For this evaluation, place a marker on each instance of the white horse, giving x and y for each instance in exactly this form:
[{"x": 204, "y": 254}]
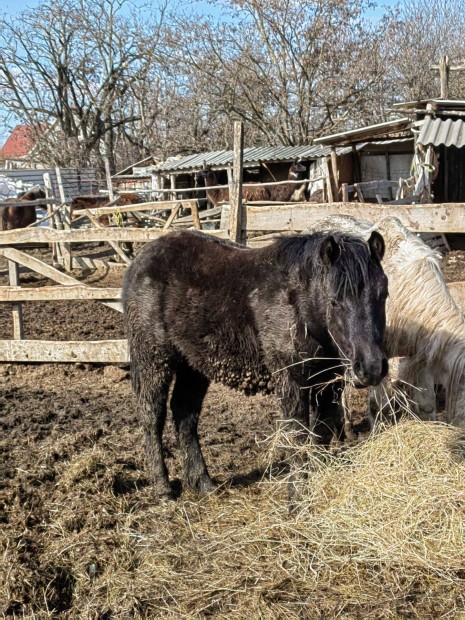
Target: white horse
[{"x": 425, "y": 327}]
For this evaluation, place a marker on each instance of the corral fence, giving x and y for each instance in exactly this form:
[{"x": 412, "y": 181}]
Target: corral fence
[{"x": 254, "y": 224}]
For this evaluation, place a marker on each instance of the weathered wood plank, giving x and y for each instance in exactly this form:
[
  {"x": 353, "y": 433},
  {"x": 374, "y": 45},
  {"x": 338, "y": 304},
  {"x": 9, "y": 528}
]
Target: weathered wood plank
[
  {"x": 40, "y": 202},
  {"x": 66, "y": 219},
  {"x": 440, "y": 218},
  {"x": 114, "y": 245},
  {"x": 46, "y": 270},
  {"x": 87, "y": 262},
  {"x": 77, "y": 292},
  {"x": 103, "y": 351},
  {"x": 173, "y": 214},
  {"x": 17, "y": 310},
  {"x": 143, "y": 206},
  {"x": 89, "y": 235},
  {"x": 235, "y": 193}
]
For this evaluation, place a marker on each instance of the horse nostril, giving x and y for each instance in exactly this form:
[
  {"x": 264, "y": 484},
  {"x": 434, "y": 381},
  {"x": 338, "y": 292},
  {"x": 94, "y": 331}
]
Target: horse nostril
[
  {"x": 357, "y": 367},
  {"x": 384, "y": 367}
]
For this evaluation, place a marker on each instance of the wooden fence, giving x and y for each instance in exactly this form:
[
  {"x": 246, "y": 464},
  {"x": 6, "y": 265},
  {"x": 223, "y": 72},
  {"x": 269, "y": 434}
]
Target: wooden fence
[{"x": 269, "y": 219}]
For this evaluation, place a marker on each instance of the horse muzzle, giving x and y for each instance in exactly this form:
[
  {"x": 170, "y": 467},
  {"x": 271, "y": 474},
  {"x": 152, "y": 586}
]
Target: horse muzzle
[{"x": 369, "y": 373}]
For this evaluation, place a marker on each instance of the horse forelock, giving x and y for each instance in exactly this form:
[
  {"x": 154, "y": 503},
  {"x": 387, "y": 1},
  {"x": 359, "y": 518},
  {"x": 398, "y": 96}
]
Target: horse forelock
[{"x": 351, "y": 271}]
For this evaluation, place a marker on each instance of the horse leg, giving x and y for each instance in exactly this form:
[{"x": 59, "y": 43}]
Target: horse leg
[
  {"x": 295, "y": 404},
  {"x": 186, "y": 403},
  {"x": 327, "y": 415},
  {"x": 151, "y": 385}
]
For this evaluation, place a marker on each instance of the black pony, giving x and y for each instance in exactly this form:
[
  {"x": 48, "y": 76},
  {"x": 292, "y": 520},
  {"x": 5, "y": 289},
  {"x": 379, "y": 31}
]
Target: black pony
[{"x": 279, "y": 318}]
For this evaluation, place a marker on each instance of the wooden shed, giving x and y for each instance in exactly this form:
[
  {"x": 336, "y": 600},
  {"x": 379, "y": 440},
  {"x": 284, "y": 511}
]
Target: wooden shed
[{"x": 419, "y": 157}]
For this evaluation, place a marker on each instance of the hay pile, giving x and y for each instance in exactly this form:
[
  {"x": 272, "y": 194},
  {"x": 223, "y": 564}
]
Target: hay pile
[{"x": 379, "y": 533}]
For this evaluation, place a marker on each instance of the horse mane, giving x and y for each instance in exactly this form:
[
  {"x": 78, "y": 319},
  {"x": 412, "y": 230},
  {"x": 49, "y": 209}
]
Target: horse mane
[
  {"x": 348, "y": 273},
  {"x": 430, "y": 322}
]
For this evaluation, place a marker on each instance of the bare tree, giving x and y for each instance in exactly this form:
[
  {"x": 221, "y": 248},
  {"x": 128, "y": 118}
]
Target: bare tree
[
  {"x": 421, "y": 31},
  {"x": 290, "y": 68},
  {"x": 67, "y": 68}
]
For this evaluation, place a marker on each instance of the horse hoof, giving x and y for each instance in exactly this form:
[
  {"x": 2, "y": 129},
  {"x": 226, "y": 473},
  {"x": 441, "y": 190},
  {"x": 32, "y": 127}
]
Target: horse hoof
[
  {"x": 206, "y": 486},
  {"x": 164, "y": 496}
]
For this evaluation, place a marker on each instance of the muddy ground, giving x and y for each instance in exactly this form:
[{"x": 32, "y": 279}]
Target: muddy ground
[{"x": 50, "y": 413}]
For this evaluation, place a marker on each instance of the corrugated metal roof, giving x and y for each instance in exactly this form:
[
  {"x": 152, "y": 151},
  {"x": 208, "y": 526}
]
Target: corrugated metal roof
[
  {"x": 252, "y": 157},
  {"x": 437, "y": 131},
  {"x": 372, "y": 131}
]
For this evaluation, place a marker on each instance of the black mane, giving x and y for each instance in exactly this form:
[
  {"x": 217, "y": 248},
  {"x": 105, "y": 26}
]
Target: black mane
[{"x": 349, "y": 272}]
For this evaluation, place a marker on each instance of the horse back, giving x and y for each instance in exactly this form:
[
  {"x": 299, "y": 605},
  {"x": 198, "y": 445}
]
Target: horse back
[{"x": 210, "y": 301}]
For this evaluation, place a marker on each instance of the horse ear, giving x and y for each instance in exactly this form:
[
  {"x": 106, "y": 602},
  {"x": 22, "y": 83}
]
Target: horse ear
[
  {"x": 329, "y": 250},
  {"x": 376, "y": 243}
]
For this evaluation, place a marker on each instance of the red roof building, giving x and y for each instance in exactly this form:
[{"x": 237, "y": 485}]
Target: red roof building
[{"x": 18, "y": 144}]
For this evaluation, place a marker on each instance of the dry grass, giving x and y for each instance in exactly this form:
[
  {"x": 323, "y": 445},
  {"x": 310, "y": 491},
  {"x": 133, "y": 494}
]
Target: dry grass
[{"x": 379, "y": 533}]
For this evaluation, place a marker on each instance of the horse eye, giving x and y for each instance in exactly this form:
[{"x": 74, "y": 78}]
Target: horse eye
[{"x": 334, "y": 303}]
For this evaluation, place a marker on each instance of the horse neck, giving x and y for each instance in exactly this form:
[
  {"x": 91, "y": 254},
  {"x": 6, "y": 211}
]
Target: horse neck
[
  {"x": 293, "y": 176},
  {"x": 215, "y": 195},
  {"x": 421, "y": 314}
]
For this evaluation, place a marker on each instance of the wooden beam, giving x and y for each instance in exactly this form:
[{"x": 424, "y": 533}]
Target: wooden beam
[
  {"x": 66, "y": 218},
  {"x": 87, "y": 262},
  {"x": 56, "y": 253},
  {"x": 103, "y": 351},
  {"x": 113, "y": 244},
  {"x": 195, "y": 215},
  {"x": 173, "y": 214},
  {"x": 46, "y": 270},
  {"x": 335, "y": 175},
  {"x": 444, "y": 76},
  {"x": 143, "y": 206},
  {"x": 18, "y": 329},
  {"x": 40, "y": 202},
  {"x": 329, "y": 185},
  {"x": 440, "y": 218},
  {"x": 77, "y": 292},
  {"x": 235, "y": 223},
  {"x": 90, "y": 235}
]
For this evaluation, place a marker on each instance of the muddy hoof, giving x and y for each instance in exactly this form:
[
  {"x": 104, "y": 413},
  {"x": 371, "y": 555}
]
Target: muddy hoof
[
  {"x": 362, "y": 425},
  {"x": 205, "y": 486},
  {"x": 164, "y": 496}
]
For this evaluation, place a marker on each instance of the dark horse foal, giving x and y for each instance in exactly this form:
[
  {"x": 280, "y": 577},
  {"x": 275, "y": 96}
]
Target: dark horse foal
[{"x": 277, "y": 318}]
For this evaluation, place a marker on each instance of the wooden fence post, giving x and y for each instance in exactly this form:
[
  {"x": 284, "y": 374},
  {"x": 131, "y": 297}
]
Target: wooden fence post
[
  {"x": 54, "y": 219},
  {"x": 66, "y": 249},
  {"x": 335, "y": 170},
  {"x": 18, "y": 332},
  {"x": 235, "y": 226},
  {"x": 444, "y": 68},
  {"x": 329, "y": 186}
]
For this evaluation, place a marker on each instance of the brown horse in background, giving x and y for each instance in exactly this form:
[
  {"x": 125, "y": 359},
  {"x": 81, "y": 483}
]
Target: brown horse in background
[
  {"x": 20, "y": 217},
  {"x": 80, "y": 203}
]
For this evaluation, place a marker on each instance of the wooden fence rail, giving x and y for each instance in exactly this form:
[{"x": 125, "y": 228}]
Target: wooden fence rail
[{"x": 270, "y": 219}]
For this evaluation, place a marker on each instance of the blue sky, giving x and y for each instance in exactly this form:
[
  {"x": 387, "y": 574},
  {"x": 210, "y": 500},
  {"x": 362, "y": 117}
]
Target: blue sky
[{"x": 16, "y": 6}]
